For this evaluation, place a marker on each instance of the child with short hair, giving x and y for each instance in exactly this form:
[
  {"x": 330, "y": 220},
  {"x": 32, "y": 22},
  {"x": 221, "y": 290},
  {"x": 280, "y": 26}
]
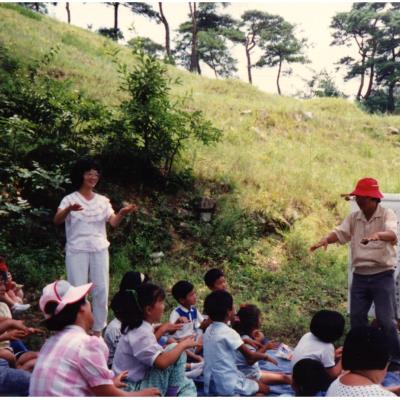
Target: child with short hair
[
  {"x": 186, "y": 313},
  {"x": 72, "y": 363},
  {"x": 215, "y": 279},
  {"x": 221, "y": 375},
  {"x": 326, "y": 327},
  {"x": 365, "y": 357},
  {"x": 138, "y": 351},
  {"x": 310, "y": 378},
  {"x": 248, "y": 327}
]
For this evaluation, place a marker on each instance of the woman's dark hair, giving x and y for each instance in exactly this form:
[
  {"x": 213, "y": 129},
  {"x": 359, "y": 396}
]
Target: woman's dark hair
[
  {"x": 217, "y": 304},
  {"x": 67, "y": 316},
  {"x": 129, "y": 305},
  {"x": 81, "y": 166},
  {"x": 131, "y": 280},
  {"x": 309, "y": 377},
  {"x": 181, "y": 289},
  {"x": 365, "y": 348},
  {"x": 211, "y": 276},
  {"x": 327, "y": 325},
  {"x": 249, "y": 319}
]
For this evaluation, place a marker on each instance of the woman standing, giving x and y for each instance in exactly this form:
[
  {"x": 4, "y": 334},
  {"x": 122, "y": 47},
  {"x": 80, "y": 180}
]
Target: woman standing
[{"x": 85, "y": 214}]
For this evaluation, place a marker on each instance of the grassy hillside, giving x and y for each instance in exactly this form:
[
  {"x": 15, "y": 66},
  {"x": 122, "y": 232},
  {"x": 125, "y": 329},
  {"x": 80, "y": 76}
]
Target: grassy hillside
[{"x": 280, "y": 167}]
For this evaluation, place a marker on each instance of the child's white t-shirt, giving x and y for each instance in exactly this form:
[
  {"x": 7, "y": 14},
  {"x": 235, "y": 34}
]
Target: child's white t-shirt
[
  {"x": 188, "y": 328},
  {"x": 86, "y": 229},
  {"x": 338, "y": 389},
  {"x": 310, "y": 346}
]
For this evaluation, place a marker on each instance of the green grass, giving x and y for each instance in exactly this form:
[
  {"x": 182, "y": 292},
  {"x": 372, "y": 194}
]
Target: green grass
[{"x": 276, "y": 166}]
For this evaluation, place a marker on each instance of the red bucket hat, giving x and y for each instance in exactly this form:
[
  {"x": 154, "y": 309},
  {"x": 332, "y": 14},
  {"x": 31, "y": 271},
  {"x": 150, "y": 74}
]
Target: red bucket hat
[{"x": 367, "y": 187}]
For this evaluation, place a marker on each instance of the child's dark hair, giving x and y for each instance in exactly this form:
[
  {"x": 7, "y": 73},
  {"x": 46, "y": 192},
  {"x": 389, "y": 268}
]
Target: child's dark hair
[
  {"x": 217, "y": 304},
  {"x": 131, "y": 280},
  {"x": 365, "y": 348},
  {"x": 181, "y": 289},
  {"x": 81, "y": 166},
  {"x": 67, "y": 316},
  {"x": 129, "y": 305},
  {"x": 327, "y": 325},
  {"x": 309, "y": 377},
  {"x": 249, "y": 319},
  {"x": 211, "y": 276},
  {"x": 3, "y": 277}
]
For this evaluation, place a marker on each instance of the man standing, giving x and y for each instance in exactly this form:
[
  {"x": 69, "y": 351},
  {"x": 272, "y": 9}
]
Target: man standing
[{"x": 371, "y": 232}]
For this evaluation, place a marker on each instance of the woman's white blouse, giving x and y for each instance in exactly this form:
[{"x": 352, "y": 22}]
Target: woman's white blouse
[{"x": 86, "y": 229}]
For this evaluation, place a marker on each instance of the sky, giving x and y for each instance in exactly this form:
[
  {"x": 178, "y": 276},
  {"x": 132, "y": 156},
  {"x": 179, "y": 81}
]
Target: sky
[{"x": 312, "y": 20}]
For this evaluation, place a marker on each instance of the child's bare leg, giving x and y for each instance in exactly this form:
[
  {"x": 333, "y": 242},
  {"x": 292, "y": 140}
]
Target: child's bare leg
[
  {"x": 8, "y": 355},
  {"x": 5, "y": 298},
  {"x": 14, "y": 298},
  {"x": 27, "y": 360},
  {"x": 268, "y": 377},
  {"x": 262, "y": 388}
]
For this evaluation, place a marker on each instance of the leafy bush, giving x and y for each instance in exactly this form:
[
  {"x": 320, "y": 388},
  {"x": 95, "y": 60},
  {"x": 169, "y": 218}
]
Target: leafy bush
[{"x": 151, "y": 127}]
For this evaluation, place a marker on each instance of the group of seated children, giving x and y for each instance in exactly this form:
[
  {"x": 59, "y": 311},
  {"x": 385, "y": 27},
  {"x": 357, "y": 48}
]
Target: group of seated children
[{"x": 143, "y": 357}]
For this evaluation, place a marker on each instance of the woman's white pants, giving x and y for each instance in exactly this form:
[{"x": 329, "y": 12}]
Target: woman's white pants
[{"x": 93, "y": 267}]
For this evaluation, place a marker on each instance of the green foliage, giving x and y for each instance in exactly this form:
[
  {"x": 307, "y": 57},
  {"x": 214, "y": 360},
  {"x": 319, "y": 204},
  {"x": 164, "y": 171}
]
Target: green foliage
[
  {"x": 23, "y": 10},
  {"x": 212, "y": 29},
  {"x": 147, "y": 45},
  {"x": 151, "y": 124},
  {"x": 322, "y": 84},
  {"x": 112, "y": 33}
]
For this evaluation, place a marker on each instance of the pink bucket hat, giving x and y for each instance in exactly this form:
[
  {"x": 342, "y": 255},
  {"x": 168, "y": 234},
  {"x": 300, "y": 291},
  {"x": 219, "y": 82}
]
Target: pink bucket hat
[{"x": 62, "y": 293}]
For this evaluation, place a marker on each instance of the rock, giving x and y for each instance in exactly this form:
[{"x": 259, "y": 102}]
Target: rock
[
  {"x": 308, "y": 115},
  {"x": 393, "y": 130},
  {"x": 157, "y": 257}
]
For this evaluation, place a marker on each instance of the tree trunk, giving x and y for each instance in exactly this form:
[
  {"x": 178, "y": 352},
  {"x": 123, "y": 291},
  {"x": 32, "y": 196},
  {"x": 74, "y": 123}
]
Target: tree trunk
[
  {"x": 167, "y": 36},
  {"x": 358, "y": 96},
  {"x": 68, "y": 12},
  {"x": 249, "y": 65},
  {"x": 370, "y": 83},
  {"x": 194, "y": 63},
  {"x": 116, "y": 5},
  {"x": 390, "y": 102},
  {"x": 279, "y": 75},
  {"x": 37, "y": 7},
  {"x": 371, "y": 73}
]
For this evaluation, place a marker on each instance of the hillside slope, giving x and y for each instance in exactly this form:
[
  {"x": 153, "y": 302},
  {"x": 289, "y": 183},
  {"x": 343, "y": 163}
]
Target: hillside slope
[{"x": 285, "y": 162}]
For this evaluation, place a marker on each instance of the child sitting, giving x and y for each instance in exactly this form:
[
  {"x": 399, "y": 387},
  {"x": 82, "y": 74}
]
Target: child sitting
[
  {"x": 326, "y": 327},
  {"x": 13, "y": 382},
  {"x": 310, "y": 378},
  {"x": 138, "y": 351},
  {"x": 72, "y": 363},
  {"x": 13, "y": 295},
  {"x": 248, "y": 327},
  {"x": 220, "y": 343},
  {"x": 215, "y": 279},
  {"x": 186, "y": 313},
  {"x": 112, "y": 334},
  {"x": 20, "y": 358},
  {"x": 365, "y": 358}
]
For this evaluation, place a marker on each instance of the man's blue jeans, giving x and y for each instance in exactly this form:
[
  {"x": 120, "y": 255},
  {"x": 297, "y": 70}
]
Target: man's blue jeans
[
  {"x": 380, "y": 290},
  {"x": 13, "y": 382}
]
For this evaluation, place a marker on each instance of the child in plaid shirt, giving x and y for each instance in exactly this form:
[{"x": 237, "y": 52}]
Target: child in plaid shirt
[{"x": 72, "y": 363}]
